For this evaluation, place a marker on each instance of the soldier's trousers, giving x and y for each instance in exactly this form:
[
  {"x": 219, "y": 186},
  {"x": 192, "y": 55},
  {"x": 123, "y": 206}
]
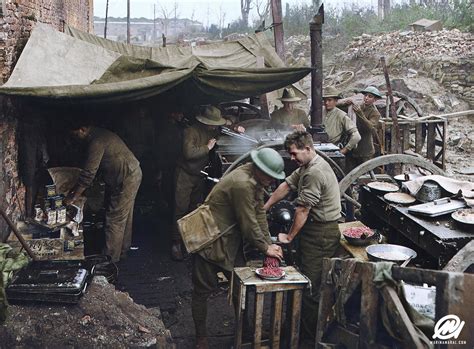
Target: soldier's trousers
[
  {"x": 205, "y": 281},
  {"x": 317, "y": 241},
  {"x": 189, "y": 193},
  {"x": 119, "y": 216},
  {"x": 353, "y": 161}
]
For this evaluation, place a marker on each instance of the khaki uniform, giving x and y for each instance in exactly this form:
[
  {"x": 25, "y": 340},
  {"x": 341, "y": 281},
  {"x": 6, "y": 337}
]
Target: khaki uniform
[
  {"x": 236, "y": 199},
  {"x": 340, "y": 128},
  {"x": 367, "y": 122},
  {"x": 282, "y": 119},
  {"x": 122, "y": 175},
  {"x": 190, "y": 183},
  {"x": 317, "y": 188}
]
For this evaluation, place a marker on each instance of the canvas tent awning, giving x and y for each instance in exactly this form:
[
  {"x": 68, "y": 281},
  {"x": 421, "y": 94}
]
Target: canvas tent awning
[{"x": 82, "y": 68}]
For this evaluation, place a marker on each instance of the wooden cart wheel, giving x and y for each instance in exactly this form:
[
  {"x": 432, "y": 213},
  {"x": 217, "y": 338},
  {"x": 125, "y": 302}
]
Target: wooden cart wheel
[
  {"x": 242, "y": 111},
  {"x": 406, "y": 107},
  {"x": 368, "y": 167}
]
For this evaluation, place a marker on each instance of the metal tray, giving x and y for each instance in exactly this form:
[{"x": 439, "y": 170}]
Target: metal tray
[{"x": 437, "y": 208}]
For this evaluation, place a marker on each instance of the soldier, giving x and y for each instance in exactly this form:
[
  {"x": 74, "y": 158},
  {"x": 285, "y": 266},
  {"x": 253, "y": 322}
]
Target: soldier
[
  {"x": 236, "y": 199},
  {"x": 367, "y": 123},
  {"x": 339, "y": 127},
  {"x": 318, "y": 208},
  {"x": 198, "y": 142},
  {"x": 122, "y": 175},
  {"x": 289, "y": 117}
]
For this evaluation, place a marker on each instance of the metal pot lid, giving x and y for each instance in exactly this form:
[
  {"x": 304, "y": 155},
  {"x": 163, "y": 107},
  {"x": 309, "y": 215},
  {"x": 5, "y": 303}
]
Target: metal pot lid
[
  {"x": 399, "y": 198},
  {"x": 407, "y": 176},
  {"x": 383, "y": 186},
  {"x": 465, "y": 216}
]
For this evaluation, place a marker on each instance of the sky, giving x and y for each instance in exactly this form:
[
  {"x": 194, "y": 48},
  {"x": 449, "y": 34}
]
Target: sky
[{"x": 204, "y": 11}]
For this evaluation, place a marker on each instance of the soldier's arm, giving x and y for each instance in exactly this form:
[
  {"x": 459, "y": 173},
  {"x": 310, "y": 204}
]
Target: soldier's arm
[
  {"x": 282, "y": 191},
  {"x": 246, "y": 207},
  {"x": 369, "y": 121},
  {"x": 191, "y": 147},
  {"x": 353, "y": 134}
]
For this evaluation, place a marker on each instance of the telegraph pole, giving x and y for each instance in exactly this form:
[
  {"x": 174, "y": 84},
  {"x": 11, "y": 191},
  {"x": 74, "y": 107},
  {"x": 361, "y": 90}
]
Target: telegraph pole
[
  {"x": 128, "y": 21},
  {"x": 106, "y": 18},
  {"x": 278, "y": 28}
]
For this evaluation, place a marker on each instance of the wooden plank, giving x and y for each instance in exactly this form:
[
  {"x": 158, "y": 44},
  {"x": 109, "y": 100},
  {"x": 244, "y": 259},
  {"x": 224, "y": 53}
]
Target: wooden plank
[
  {"x": 277, "y": 311},
  {"x": 239, "y": 321},
  {"x": 401, "y": 319},
  {"x": 326, "y": 299},
  {"x": 369, "y": 308},
  {"x": 296, "y": 318},
  {"x": 419, "y": 138},
  {"x": 406, "y": 137},
  {"x": 430, "y": 144},
  {"x": 258, "y": 321},
  {"x": 461, "y": 260}
]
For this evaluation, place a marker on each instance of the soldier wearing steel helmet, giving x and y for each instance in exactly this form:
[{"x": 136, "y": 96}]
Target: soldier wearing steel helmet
[
  {"x": 318, "y": 208},
  {"x": 367, "y": 123},
  {"x": 236, "y": 200}
]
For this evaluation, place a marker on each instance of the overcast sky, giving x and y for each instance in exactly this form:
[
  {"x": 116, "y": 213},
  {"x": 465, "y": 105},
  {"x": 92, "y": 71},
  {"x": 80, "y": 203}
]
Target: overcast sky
[{"x": 204, "y": 10}]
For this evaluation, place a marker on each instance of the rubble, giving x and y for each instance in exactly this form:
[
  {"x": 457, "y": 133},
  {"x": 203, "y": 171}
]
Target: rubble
[
  {"x": 416, "y": 45},
  {"x": 104, "y": 317}
]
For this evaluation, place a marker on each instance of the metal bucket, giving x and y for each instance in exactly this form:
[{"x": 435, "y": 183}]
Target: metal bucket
[{"x": 429, "y": 191}]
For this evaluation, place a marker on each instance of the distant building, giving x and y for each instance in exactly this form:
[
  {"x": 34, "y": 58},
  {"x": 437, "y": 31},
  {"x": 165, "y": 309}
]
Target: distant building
[{"x": 141, "y": 29}]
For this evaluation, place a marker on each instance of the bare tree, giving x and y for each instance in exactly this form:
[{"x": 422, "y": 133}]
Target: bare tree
[
  {"x": 221, "y": 18},
  {"x": 245, "y": 7},
  {"x": 176, "y": 15},
  {"x": 165, "y": 20},
  {"x": 263, "y": 9}
]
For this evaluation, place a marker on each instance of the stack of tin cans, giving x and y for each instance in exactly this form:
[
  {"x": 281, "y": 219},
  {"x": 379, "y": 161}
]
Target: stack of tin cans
[{"x": 52, "y": 211}]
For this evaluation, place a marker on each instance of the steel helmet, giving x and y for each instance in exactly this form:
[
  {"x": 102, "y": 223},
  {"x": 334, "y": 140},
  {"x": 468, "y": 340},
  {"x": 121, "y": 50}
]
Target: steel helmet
[
  {"x": 373, "y": 91},
  {"x": 269, "y": 162}
]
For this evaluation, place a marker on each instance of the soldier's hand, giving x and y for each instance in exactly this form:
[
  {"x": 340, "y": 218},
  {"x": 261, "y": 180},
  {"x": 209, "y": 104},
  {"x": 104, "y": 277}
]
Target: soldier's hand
[
  {"x": 282, "y": 237},
  {"x": 299, "y": 127},
  {"x": 239, "y": 129},
  {"x": 211, "y": 143},
  {"x": 274, "y": 250},
  {"x": 344, "y": 151},
  {"x": 356, "y": 107}
]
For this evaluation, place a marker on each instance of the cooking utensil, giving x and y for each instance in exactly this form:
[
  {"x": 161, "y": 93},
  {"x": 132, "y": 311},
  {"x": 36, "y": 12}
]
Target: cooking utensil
[
  {"x": 381, "y": 188},
  {"x": 399, "y": 198},
  {"x": 262, "y": 275},
  {"x": 429, "y": 191},
  {"x": 404, "y": 264},
  {"x": 389, "y": 253},
  {"x": 364, "y": 240},
  {"x": 464, "y": 219},
  {"x": 437, "y": 208},
  {"x": 405, "y": 177}
]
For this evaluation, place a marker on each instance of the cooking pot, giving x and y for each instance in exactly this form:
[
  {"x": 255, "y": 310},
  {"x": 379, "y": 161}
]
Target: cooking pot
[
  {"x": 464, "y": 219},
  {"x": 429, "y": 191},
  {"x": 389, "y": 253}
]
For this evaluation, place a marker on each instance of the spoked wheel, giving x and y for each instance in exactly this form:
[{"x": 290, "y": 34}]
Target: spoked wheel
[
  {"x": 365, "y": 172},
  {"x": 405, "y": 106},
  {"x": 241, "y": 111}
]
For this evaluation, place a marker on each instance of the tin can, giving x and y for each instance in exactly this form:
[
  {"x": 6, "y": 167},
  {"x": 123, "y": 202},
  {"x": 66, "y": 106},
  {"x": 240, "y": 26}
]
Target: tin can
[
  {"x": 61, "y": 215},
  {"x": 46, "y": 204},
  {"x": 50, "y": 190},
  {"x": 56, "y": 201},
  {"x": 38, "y": 213},
  {"x": 51, "y": 217}
]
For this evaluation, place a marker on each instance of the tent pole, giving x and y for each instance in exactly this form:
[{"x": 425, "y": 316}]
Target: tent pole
[{"x": 128, "y": 21}]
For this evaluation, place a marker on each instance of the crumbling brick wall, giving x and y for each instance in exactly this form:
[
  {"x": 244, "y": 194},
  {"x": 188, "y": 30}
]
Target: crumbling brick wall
[{"x": 17, "y": 19}]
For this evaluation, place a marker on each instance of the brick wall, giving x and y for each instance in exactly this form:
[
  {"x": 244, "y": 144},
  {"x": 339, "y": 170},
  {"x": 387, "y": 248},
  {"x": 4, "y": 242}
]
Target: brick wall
[{"x": 17, "y": 19}]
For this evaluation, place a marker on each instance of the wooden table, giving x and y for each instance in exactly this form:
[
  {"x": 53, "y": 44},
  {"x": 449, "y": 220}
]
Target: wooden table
[
  {"x": 294, "y": 283},
  {"x": 357, "y": 252}
]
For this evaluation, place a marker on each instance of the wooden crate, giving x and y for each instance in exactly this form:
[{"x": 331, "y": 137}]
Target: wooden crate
[{"x": 66, "y": 247}]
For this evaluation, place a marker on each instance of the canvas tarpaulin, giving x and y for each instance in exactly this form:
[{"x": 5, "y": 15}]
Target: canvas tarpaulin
[{"x": 79, "y": 67}]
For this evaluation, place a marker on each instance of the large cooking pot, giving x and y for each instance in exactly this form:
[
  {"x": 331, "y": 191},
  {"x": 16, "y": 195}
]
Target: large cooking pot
[
  {"x": 464, "y": 219},
  {"x": 389, "y": 253}
]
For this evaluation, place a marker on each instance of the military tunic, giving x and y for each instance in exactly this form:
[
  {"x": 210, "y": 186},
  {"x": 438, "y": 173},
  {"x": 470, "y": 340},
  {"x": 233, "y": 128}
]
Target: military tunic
[
  {"x": 236, "y": 199},
  {"x": 282, "y": 118},
  {"x": 367, "y": 122},
  {"x": 121, "y": 172},
  {"x": 340, "y": 128},
  {"x": 189, "y": 182},
  {"x": 317, "y": 188}
]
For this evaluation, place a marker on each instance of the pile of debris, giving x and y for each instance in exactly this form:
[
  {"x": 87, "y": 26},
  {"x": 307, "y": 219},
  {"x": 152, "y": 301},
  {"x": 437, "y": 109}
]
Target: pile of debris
[
  {"x": 416, "y": 45},
  {"x": 298, "y": 50}
]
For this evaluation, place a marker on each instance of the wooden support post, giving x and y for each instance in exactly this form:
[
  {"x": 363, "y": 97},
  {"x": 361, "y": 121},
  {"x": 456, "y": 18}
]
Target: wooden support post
[
  {"x": 369, "y": 308},
  {"x": 257, "y": 336},
  {"x": 419, "y": 140},
  {"x": 295, "y": 318},
  {"x": 395, "y": 136},
  {"x": 263, "y": 98},
  {"x": 431, "y": 141},
  {"x": 406, "y": 137},
  {"x": 277, "y": 310},
  {"x": 239, "y": 318},
  {"x": 277, "y": 15}
]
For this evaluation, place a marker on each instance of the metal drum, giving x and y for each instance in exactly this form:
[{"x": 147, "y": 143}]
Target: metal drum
[{"x": 429, "y": 191}]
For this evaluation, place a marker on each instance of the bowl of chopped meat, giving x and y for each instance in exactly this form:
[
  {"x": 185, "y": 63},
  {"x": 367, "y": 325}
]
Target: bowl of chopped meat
[
  {"x": 358, "y": 236},
  {"x": 271, "y": 269}
]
